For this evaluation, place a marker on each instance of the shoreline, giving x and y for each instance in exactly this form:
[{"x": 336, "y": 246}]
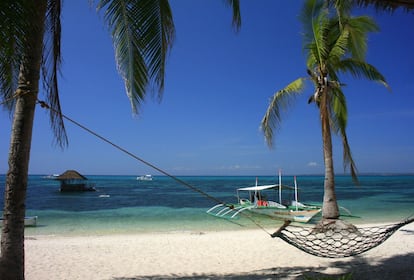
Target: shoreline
[
  {"x": 75, "y": 226},
  {"x": 229, "y": 254}
]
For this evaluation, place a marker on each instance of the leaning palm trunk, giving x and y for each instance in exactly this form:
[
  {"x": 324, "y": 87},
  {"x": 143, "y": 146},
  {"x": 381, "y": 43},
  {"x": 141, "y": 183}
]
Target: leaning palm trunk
[
  {"x": 12, "y": 238},
  {"x": 330, "y": 208}
]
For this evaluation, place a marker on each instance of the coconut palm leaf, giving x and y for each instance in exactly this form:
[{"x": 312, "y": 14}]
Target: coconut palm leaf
[
  {"x": 388, "y": 5},
  {"x": 280, "y": 102},
  {"x": 316, "y": 25},
  {"x": 338, "y": 49},
  {"x": 235, "y": 5},
  {"x": 339, "y": 119},
  {"x": 51, "y": 63},
  {"x": 142, "y": 33},
  {"x": 13, "y": 31},
  {"x": 158, "y": 35},
  {"x": 358, "y": 29},
  {"x": 361, "y": 69}
]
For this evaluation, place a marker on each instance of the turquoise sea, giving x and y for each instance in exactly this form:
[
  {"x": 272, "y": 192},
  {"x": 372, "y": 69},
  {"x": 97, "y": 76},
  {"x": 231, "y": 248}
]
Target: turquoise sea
[{"x": 123, "y": 204}]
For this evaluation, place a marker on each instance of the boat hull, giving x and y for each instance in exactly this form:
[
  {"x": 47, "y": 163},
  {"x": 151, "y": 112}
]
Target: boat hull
[
  {"x": 301, "y": 216},
  {"x": 145, "y": 178}
]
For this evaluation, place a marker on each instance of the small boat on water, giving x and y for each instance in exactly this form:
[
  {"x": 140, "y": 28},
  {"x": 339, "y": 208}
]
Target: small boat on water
[
  {"x": 29, "y": 221},
  {"x": 52, "y": 176},
  {"x": 258, "y": 199},
  {"x": 145, "y": 178}
]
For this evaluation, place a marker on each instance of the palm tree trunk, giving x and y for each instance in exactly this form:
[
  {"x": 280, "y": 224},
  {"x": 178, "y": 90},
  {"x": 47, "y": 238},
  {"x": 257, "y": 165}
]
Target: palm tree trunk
[
  {"x": 12, "y": 238},
  {"x": 330, "y": 208}
]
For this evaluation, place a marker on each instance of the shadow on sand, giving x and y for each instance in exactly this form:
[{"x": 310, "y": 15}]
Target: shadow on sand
[{"x": 397, "y": 267}]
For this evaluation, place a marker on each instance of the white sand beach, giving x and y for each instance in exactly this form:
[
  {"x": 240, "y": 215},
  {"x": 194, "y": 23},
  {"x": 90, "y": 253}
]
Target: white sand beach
[{"x": 245, "y": 254}]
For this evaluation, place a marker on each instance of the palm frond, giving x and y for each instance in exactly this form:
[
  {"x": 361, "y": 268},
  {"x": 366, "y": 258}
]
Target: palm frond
[
  {"x": 142, "y": 33},
  {"x": 387, "y": 5},
  {"x": 338, "y": 121},
  {"x": 315, "y": 21},
  {"x": 51, "y": 63},
  {"x": 13, "y": 31},
  {"x": 157, "y": 33},
  {"x": 361, "y": 69},
  {"x": 343, "y": 9},
  {"x": 338, "y": 50},
  {"x": 310, "y": 10},
  {"x": 358, "y": 28},
  {"x": 279, "y": 102},
  {"x": 348, "y": 159},
  {"x": 339, "y": 111},
  {"x": 312, "y": 58},
  {"x": 236, "y": 21}
]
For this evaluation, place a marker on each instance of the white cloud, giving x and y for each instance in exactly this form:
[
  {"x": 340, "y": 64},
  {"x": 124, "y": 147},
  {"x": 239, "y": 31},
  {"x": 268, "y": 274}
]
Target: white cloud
[{"x": 313, "y": 164}]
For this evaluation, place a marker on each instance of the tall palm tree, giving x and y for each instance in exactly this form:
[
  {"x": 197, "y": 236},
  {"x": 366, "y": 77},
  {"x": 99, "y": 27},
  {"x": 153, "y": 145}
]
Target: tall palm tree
[
  {"x": 335, "y": 43},
  {"x": 142, "y": 33}
]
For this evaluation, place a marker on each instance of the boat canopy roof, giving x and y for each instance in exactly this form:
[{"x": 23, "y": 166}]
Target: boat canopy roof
[
  {"x": 263, "y": 187},
  {"x": 258, "y": 188}
]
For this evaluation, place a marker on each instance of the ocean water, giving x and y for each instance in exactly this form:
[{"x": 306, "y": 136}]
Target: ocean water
[{"x": 123, "y": 204}]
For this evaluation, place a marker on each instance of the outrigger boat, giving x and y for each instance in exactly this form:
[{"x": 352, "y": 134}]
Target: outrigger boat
[{"x": 255, "y": 199}]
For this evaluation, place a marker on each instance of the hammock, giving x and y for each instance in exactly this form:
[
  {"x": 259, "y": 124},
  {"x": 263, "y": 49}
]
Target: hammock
[{"x": 337, "y": 242}]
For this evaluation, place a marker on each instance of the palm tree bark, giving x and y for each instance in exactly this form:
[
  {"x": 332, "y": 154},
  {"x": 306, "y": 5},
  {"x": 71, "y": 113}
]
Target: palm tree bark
[
  {"x": 12, "y": 238},
  {"x": 330, "y": 208}
]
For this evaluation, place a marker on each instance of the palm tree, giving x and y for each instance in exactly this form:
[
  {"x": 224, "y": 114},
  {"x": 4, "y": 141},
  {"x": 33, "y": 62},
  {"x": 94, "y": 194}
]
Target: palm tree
[
  {"x": 142, "y": 33},
  {"x": 335, "y": 43}
]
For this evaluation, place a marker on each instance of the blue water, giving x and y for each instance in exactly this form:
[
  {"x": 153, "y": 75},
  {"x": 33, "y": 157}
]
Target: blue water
[{"x": 166, "y": 205}]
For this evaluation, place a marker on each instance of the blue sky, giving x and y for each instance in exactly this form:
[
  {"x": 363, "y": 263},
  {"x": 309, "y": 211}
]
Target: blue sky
[{"x": 218, "y": 84}]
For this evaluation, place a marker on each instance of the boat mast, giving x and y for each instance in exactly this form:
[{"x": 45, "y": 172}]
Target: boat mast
[
  {"x": 280, "y": 186},
  {"x": 296, "y": 193}
]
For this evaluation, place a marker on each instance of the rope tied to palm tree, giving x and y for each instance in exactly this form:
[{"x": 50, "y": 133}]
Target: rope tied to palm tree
[{"x": 329, "y": 241}]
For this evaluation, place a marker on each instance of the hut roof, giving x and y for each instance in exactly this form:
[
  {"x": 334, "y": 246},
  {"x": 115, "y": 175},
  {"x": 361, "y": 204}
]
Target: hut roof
[{"x": 71, "y": 175}]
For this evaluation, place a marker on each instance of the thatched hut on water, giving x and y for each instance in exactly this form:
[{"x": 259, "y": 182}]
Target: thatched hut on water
[{"x": 73, "y": 181}]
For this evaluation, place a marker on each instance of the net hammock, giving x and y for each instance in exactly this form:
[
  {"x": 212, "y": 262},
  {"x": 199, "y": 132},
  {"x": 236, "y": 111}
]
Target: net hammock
[{"x": 337, "y": 242}]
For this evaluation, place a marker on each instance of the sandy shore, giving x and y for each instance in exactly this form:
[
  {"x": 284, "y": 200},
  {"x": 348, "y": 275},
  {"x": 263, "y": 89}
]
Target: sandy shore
[{"x": 248, "y": 254}]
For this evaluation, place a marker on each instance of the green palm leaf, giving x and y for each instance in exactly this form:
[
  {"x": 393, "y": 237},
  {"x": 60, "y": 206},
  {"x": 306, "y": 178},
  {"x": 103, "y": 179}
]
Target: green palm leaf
[
  {"x": 50, "y": 69},
  {"x": 280, "y": 101},
  {"x": 339, "y": 48},
  {"x": 13, "y": 34},
  {"x": 157, "y": 33},
  {"x": 142, "y": 33},
  {"x": 361, "y": 69},
  {"x": 358, "y": 28},
  {"x": 235, "y": 4},
  {"x": 315, "y": 23}
]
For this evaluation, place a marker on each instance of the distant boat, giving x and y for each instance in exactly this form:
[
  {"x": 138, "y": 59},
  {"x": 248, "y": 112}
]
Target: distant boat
[
  {"x": 256, "y": 199},
  {"x": 53, "y": 176},
  {"x": 30, "y": 221},
  {"x": 145, "y": 178}
]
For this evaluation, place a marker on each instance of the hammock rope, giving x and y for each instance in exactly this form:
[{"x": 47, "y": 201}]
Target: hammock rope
[{"x": 334, "y": 242}]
